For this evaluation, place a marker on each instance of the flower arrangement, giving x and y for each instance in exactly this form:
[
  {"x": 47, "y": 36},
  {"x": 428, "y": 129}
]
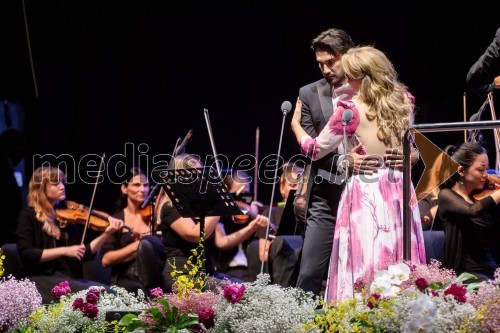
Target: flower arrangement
[
  {"x": 261, "y": 307},
  {"x": 405, "y": 298},
  {"x": 487, "y": 301},
  {"x": 19, "y": 299},
  {"x": 84, "y": 311}
]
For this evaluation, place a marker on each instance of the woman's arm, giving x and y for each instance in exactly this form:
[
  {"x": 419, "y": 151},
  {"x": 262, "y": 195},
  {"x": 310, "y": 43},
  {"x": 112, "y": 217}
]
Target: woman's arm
[
  {"x": 123, "y": 254},
  {"x": 114, "y": 225},
  {"x": 449, "y": 202},
  {"x": 188, "y": 230},
  {"x": 224, "y": 242},
  {"x": 326, "y": 142}
]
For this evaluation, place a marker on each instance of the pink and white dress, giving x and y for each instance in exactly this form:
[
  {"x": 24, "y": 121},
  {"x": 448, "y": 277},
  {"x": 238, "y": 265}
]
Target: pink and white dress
[{"x": 373, "y": 206}]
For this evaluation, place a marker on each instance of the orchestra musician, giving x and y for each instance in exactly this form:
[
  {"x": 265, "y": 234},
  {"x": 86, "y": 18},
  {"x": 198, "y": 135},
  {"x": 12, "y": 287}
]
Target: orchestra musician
[
  {"x": 52, "y": 254},
  {"x": 136, "y": 257}
]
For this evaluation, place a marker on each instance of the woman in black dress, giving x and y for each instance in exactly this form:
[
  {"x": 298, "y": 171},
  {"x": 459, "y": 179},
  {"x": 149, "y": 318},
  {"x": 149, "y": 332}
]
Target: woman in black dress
[
  {"x": 52, "y": 254},
  {"x": 471, "y": 226}
]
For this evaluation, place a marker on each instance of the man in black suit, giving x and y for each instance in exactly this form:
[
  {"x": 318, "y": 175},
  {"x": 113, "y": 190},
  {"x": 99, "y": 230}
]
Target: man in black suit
[{"x": 484, "y": 75}]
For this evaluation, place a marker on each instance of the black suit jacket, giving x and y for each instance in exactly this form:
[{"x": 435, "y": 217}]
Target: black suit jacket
[
  {"x": 486, "y": 68},
  {"x": 317, "y": 109}
]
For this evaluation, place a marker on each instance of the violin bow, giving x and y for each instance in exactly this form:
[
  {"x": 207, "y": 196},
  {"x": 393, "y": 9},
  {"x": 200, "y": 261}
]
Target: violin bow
[
  {"x": 256, "y": 171},
  {"x": 101, "y": 167},
  {"x": 212, "y": 143},
  {"x": 496, "y": 131}
]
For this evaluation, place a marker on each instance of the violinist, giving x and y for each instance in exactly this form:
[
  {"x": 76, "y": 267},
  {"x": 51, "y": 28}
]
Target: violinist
[
  {"x": 181, "y": 234},
  {"x": 471, "y": 226},
  {"x": 136, "y": 257},
  {"x": 50, "y": 253},
  {"x": 289, "y": 180}
]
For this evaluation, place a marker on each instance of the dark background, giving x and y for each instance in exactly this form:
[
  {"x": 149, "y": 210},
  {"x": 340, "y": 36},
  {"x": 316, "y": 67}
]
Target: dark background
[{"x": 112, "y": 72}]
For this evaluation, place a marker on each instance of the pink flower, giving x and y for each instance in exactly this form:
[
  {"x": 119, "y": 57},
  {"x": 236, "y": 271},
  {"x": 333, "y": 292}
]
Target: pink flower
[
  {"x": 60, "y": 290},
  {"x": 434, "y": 293},
  {"x": 78, "y": 303},
  {"x": 206, "y": 317},
  {"x": 92, "y": 296},
  {"x": 156, "y": 293},
  {"x": 234, "y": 292},
  {"x": 421, "y": 284},
  {"x": 90, "y": 310},
  {"x": 457, "y": 291}
]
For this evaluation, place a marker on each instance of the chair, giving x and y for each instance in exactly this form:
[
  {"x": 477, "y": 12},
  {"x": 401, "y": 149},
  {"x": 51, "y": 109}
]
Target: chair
[
  {"x": 92, "y": 270},
  {"x": 434, "y": 244},
  {"x": 12, "y": 263}
]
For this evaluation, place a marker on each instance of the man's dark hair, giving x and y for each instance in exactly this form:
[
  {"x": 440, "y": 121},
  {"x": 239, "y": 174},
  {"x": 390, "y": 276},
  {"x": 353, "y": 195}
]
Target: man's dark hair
[{"x": 334, "y": 40}]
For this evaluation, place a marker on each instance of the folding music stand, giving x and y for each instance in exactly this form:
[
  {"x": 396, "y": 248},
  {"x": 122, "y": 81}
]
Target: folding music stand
[{"x": 198, "y": 192}]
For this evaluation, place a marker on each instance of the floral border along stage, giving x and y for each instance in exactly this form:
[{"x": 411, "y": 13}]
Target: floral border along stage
[{"x": 402, "y": 298}]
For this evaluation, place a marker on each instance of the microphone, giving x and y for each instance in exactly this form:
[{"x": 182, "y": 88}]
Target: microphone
[
  {"x": 286, "y": 106},
  {"x": 183, "y": 143},
  {"x": 347, "y": 116}
]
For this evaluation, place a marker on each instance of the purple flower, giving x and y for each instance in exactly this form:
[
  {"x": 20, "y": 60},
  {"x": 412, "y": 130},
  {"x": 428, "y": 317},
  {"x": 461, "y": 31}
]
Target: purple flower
[
  {"x": 457, "y": 291},
  {"x": 89, "y": 310},
  {"x": 92, "y": 296},
  {"x": 359, "y": 284},
  {"x": 78, "y": 303},
  {"x": 156, "y": 293},
  {"x": 234, "y": 292},
  {"x": 60, "y": 290},
  {"x": 421, "y": 284},
  {"x": 206, "y": 317},
  {"x": 19, "y": 299}
]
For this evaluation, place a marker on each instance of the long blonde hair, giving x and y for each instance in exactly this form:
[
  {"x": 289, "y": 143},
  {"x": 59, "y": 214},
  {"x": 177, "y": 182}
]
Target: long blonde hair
[
  {"x": 37, "y": 198},
  {"x": 181, "y": 161},
  {"x": 380, "y": 90}
]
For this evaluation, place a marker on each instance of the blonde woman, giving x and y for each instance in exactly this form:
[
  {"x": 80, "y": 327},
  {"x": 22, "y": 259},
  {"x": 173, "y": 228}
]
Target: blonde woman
[
  {"x": 369, "y": 218},
  {"x": 52, "y": 254},
  {"x": 182, "y": 234}
]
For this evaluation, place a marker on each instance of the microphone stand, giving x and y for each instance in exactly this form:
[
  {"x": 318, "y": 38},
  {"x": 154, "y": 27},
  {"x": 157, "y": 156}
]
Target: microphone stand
[
  {"x": 285, "y": 108},
  {"x": 348, "y": 195}
]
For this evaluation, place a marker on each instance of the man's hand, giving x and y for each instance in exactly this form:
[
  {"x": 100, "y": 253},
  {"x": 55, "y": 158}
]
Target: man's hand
[
  {"x": 394, "y": 158},
  {"x": 297, "y": 114},
  {"x": 363, "y": 164}
]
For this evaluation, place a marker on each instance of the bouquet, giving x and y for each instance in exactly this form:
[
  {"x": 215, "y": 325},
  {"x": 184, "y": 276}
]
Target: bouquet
[
  {"x": 402, "y": 299},
  {"x": 84, "y": 311},
  {"x": 19, "y": 299}
]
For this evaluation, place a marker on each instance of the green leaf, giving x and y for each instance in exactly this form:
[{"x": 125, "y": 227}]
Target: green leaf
[
  {"x": 464, "y": 277},
  {"x": 157, "y": 315},
  {"x": 131, "y": 322},
  {"x": 127, "y": 319},
  {"x": 436, "y": 286},
  {"x": 474, "y": 286}
]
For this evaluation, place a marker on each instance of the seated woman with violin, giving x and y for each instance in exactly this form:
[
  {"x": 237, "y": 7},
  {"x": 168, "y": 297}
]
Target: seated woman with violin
[
  {"x": 181, "y": 234},
  {"x": 470, "y": 220},
  {"x": 291, "y": 178},
  {"x": 52, "y": 253},
  {"x": 136, "y": 257}
]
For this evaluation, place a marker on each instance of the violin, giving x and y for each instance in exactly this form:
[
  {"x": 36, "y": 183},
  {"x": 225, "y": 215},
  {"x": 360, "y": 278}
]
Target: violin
[
  {"x": 492, "y": 185},
  {"x": 248, "y": 215},
  {"x": 74, "y": 212},
  {"x": 147, "y": 211}
]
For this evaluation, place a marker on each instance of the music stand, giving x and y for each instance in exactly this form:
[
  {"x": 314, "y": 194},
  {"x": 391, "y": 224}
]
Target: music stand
[{"x": 198, "y": 193}]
